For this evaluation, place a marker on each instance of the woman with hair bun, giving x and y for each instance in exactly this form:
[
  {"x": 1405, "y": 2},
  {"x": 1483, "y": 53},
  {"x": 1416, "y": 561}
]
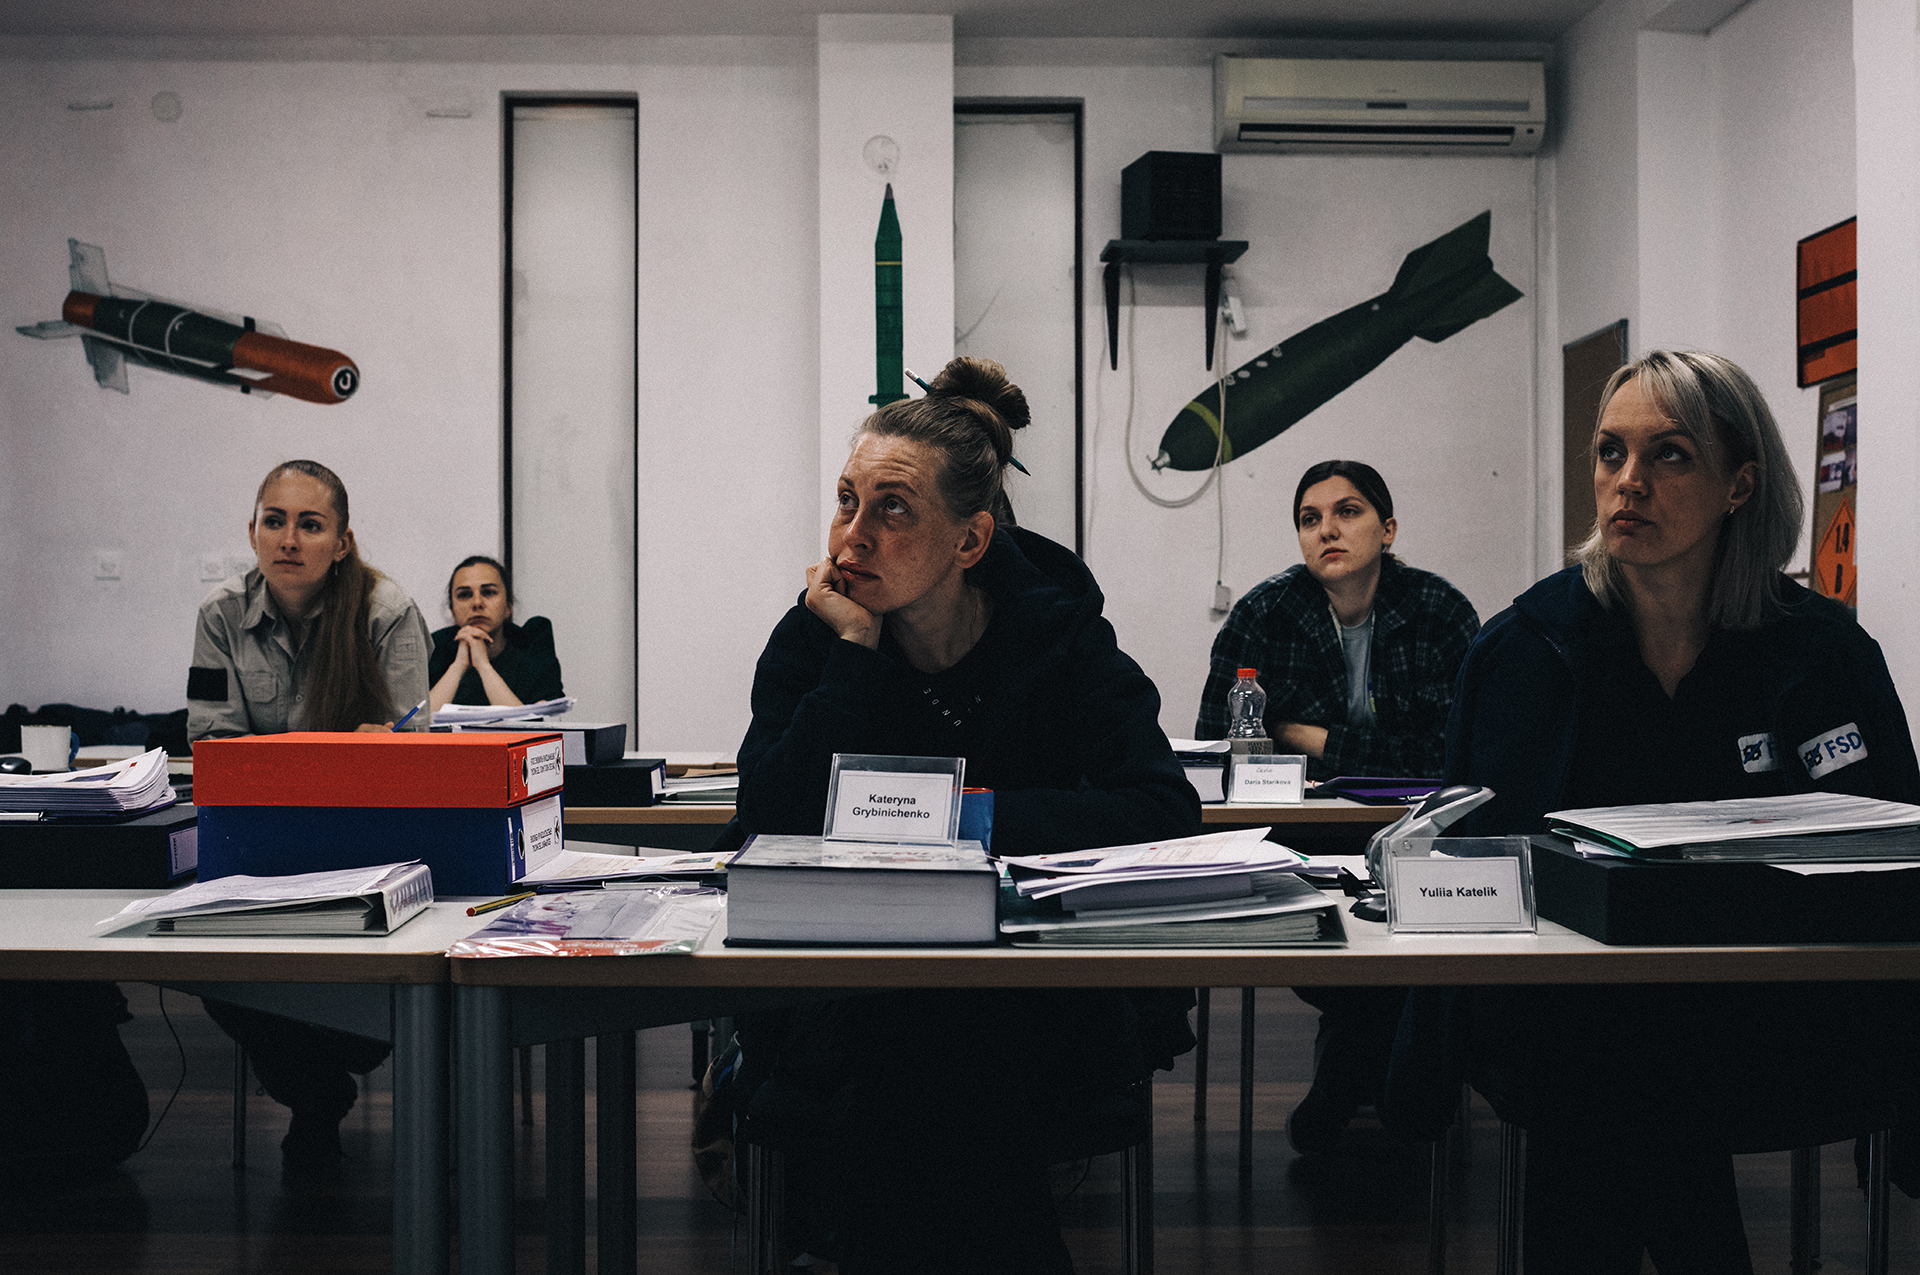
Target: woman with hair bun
[
  {"x": 926, "y": 1118},
  {"x": 311, "y": 638}
]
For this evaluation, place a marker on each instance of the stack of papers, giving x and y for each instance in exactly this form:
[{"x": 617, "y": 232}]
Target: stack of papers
[
  {"x": 471, "y": 714},
  {"x": 138, "y": 783},
  {"x": 1809, "y": 827},
  {"x": 584, "y": 869},
  {"x": 718, "y": 790},
  {"x": 362, "y": 901},
  {"x": 1184, "y": 870},
  {"x": 1221, "y": 889},
  {"x": 1282, "y": 911}
]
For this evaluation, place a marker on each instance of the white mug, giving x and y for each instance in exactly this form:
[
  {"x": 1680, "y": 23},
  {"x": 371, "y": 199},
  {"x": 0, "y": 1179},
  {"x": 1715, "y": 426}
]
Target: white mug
[{"x": 47, "y": 748}]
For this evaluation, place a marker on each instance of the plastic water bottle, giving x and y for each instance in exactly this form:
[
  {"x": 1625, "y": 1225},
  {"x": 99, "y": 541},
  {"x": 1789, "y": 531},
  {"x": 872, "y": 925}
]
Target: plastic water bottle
[{"x": 1246, "y": 713}]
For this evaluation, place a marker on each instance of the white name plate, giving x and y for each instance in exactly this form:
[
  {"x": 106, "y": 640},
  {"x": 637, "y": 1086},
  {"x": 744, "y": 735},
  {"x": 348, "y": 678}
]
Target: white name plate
[
  {"x": 1483, "y": 892},
  {"x": 903, "y": 799},
  {"x": 1268, "y": 779}
]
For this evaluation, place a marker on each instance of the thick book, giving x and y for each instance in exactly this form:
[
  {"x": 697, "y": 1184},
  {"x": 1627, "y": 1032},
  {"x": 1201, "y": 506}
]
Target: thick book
[
  {"x": 471, "y": 851},
  {"x": 1808, "y": 827},
  {"x": 109, "y": 852},
  {"x": 367, "y": 901},
  {"x": 468, "y": 769},
  {"x": 807, "y": 891},
  {"x": 628, "y": 781},
  {"x": 585, "y": 743}
]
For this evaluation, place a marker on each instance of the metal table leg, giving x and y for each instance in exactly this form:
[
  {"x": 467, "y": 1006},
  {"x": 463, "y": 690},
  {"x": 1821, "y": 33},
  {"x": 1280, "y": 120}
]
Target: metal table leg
[
  {"x": 481, "y": 1024},
  {"x": 567, "y": 1157},
  {"x": 420, "y": 1130},
  {"x": 616, "y": 1181}
]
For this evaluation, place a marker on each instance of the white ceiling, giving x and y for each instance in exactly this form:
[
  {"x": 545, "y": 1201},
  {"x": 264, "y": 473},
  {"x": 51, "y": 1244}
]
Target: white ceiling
[{"x": 1201, "y": 19}]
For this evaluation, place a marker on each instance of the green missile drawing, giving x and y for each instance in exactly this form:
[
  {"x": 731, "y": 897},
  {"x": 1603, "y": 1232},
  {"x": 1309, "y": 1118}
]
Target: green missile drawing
[
  {"x": 1442, "y": 287},
  {"x": 889, "y": 329}
]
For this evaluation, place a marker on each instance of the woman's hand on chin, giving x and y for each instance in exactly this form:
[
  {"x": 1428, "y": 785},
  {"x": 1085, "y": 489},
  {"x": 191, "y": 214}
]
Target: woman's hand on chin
[{"x": 826, "y": 598}]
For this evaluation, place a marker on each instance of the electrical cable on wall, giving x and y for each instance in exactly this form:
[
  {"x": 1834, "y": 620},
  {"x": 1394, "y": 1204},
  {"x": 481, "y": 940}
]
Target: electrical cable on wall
[{"x": 1220, "y": 591}]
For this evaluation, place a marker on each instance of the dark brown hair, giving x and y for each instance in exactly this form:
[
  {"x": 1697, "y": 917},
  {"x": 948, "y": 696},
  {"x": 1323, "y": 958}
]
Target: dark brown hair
[
  {"x": 481, "y": 560},
  {"x": 345, "y": 686},
  {"x": 1365, "y": 479},
  {"x": 969, "y": 415}
]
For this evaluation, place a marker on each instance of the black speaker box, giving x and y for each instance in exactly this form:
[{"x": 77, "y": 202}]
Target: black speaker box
[{"x": 1171, "y": 195}]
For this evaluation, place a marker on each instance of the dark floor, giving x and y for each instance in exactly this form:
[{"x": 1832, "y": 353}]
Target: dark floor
[{"x": 178, "y": 1208}]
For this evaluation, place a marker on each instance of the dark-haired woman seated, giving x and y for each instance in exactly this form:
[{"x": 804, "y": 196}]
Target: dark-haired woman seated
[
  {"x": 311, "y": 639},
  {"x": 1357, "y": 653},
  {"x": 934, "y": 627},
  {"x": 1673, "y": 663},
  {"x": 483, "y": 657}
]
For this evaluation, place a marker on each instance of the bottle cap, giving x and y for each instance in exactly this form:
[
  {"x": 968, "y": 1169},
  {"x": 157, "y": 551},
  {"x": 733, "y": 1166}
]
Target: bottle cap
[{"x": 1248, "y": 672}]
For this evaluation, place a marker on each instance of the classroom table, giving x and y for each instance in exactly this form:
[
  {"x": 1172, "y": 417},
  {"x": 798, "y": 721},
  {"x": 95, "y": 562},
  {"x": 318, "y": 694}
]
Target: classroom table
[
  {"x": 500, "y": 1003},
  {"x": 393, "y": 988}
]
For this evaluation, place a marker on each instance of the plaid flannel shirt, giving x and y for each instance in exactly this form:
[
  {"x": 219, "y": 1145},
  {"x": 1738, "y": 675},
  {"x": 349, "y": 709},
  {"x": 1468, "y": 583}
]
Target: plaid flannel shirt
[{"x": 1422, "y": 627}]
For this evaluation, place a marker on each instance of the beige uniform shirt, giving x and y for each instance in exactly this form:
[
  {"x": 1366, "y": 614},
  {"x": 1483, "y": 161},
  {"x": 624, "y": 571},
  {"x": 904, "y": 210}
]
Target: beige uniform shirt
[{"x": 248, "y": 678}]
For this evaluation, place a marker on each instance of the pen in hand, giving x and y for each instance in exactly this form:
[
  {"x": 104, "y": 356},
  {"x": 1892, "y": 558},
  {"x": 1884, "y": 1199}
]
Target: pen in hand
[
  {"x": 410, "y": 712},
  {"x": 478, "y": 908}
]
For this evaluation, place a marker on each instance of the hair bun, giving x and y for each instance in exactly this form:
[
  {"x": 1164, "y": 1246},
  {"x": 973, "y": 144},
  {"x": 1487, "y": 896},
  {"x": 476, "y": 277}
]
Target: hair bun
[{"x": 984, "y": 383}]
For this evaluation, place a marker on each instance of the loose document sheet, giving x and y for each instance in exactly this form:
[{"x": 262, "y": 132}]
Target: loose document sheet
[
  {"x": 1741, "y": 819},
  {"x": 475, "y": 714},
  {"x": 661, "y": 920}
]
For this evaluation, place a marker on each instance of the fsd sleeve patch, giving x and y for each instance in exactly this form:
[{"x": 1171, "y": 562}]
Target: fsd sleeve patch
[
  {"x": 1841, "y": 746},
  {"x": 1757, "y": 755}
]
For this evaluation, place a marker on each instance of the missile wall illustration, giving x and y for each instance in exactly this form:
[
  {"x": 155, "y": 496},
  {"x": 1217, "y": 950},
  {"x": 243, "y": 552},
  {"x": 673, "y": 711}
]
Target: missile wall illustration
[
  {"x": 1442, "y": 287},
  {"x": 889, "y": 326},
  {"x": 119, "y": 326}
]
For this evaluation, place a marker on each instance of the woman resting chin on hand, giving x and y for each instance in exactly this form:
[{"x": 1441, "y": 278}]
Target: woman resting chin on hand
[{"x": 936, "y": 628}]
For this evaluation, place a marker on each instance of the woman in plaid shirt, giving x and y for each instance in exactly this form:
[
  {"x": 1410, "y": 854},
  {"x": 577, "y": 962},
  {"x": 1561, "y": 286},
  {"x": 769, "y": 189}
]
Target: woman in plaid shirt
[{"x": 1357, "y": 653}]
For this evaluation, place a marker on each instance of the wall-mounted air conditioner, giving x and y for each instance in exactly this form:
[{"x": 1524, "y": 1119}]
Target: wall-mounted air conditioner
[{"x": 1364, "y": 107}]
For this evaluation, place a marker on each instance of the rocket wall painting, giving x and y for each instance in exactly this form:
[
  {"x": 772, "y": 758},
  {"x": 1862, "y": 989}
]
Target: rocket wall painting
[
  {"x": 1442, "y": 287},
  {"x": 118, "y": 325}
]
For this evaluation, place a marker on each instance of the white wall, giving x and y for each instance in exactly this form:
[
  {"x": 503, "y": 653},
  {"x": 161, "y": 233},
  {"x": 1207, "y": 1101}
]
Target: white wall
[
  {"x": 1450, "y": 425},
  {"x": 1887, "y": 102},
  {"x": 1686, "y": 166},
  {"x": 306, "y": 184},
  {"x": 880, "y": 77}
]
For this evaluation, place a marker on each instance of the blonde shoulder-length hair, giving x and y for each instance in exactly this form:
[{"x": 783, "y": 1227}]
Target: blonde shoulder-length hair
[{"x": 1717, "y": 405}]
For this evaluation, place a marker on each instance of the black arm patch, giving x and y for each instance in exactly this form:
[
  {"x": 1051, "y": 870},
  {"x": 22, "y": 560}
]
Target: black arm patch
[{"x": 207, "y": 683}]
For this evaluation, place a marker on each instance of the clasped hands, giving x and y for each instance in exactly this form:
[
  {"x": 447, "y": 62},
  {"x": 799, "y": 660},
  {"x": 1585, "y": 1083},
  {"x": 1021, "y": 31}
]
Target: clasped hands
[{"x": 826, "y": 597}]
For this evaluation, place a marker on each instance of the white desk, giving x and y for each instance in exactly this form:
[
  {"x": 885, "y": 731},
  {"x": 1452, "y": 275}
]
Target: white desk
[
  {"x": 502, "y": 1003},
  {"x": 392, "y": 988}
]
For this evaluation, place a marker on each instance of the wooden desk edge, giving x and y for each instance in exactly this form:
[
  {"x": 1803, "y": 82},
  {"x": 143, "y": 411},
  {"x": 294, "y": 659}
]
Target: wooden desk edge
[{"x": 1000, "y": 967}]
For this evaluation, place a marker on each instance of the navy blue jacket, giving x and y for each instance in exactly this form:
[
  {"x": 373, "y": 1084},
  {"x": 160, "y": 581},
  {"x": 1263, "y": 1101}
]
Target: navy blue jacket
[
  {"x": 1521, "y": 700},
  {"x": 1517, "y": 714}
]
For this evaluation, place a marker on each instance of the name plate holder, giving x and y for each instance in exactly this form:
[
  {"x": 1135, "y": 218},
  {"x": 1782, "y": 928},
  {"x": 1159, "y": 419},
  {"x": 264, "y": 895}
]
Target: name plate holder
[
  {"x": 1267, "y": 779},
  {"x": 1460, "y": 885},
  {"x": 900, "y": 800}
]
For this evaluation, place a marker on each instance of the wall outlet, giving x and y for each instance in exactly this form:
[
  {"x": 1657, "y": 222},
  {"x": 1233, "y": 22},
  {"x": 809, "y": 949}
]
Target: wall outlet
[
  {"x": 213, "y": 568},
  {"x": 106, "y": 564}
]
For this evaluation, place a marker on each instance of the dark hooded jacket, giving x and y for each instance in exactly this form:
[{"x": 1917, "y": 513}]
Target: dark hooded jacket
[
  {"x": 1064, "y": 727},
  {"x": 1680, "y": 1056}
]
